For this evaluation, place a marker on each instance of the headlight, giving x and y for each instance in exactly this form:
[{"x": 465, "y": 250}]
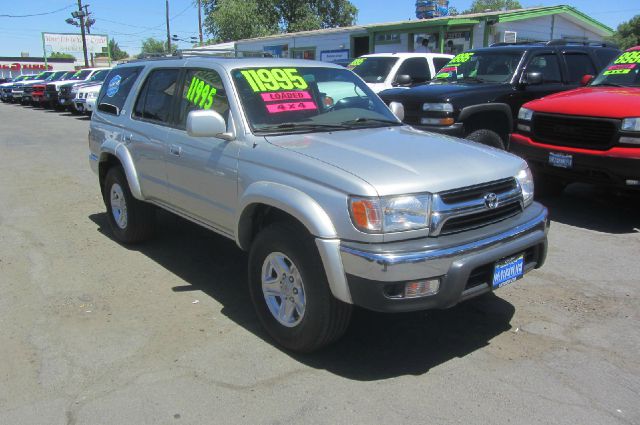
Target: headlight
[
  {"x": 74, "y": 90},
  {"x": 391, "y": 214},
  {"x": 438, "y": 107},
  {"x": 525, "y": 114},
  {"x": 525, "y": 180},
  {"x": 631, "y": 124}
]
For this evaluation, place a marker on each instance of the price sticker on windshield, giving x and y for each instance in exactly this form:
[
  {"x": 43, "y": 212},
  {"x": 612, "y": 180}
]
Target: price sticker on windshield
[
  {"x": 619, "y": 69},
  {"x": 356, "y": 62},
  {"x": 460, "y": 58},
  {"x": 629, "y": 57},
  {"x": 272, "y": 79}
]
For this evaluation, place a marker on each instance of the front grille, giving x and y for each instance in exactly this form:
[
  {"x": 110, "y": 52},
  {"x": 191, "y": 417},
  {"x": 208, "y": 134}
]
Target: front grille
[
  {"x": 579, "y": 132},
  {"x": 65, "y": 90},
  {"x": 28, "y": 89},
  {"x": 479, "y": 219},
  {"x": 51, "y": 88},
  {"x": 412, "y": 112},
  {"x": 478, "y": 191}
]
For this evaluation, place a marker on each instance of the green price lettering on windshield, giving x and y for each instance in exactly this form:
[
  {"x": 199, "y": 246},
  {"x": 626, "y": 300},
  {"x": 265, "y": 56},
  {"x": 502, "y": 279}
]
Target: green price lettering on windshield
[
  {"x": 262, "y": 80},
  {"x": 77, "y": 73},
  {"x": 461, "y": 58},
  {"x": 356, "y": 62},
  {"x": 629, "y": 57},
  {"x": 200, "y": 93}
]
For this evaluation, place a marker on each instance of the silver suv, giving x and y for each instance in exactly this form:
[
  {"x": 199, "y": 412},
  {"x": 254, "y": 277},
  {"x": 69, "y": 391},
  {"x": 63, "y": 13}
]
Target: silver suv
[{"x": 337, "y": 202}]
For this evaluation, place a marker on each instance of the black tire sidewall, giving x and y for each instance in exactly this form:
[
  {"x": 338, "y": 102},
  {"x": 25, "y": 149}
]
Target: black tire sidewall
[{"x": 487, "y": 137}]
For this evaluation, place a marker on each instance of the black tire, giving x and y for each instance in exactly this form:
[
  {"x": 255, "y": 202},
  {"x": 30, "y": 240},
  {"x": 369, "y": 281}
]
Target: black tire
[
  {"x": 487, "y": 137},
  {"x": 140, "y": 216},
  {"x": 325, "y": 318},
  {"x": 547, "y": 186}
]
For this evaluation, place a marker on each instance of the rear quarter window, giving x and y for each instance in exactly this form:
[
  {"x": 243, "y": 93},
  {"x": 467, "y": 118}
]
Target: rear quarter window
[{"x": 116, "y": 88}]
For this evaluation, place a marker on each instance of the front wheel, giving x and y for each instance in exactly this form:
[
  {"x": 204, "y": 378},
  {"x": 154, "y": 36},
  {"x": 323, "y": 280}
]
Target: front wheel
[
  {"x": 290, "y": 292},
  {"x": 487, "y": 137},
  {"x": 131, "y": 220}
]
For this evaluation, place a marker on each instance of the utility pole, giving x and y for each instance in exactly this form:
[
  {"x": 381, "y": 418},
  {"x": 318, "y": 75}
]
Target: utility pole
[
  {"x": 200, "y": 20},
  {"x": 168, "y": 34},
  {"x": 88, "y": 24},
  {"x": 84, "y": 39}
]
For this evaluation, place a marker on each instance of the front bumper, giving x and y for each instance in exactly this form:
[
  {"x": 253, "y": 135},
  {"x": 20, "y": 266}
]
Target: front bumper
[
  {"x": 463, "y": 262},
  {"x": 612, "y": 167},
  {"x": 455, "y": 130}
]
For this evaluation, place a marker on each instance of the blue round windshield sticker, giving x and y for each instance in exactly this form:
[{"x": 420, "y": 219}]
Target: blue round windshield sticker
[{"x": 114, "y": 86}]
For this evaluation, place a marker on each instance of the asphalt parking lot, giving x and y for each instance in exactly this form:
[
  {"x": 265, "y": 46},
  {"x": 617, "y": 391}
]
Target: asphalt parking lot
[{"x": 96, "y": 333}]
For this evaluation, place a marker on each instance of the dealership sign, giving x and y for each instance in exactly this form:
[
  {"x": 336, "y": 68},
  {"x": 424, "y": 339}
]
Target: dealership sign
[
  {"x": 72, "y": 43},
  {"x": 15, "y": 66}
]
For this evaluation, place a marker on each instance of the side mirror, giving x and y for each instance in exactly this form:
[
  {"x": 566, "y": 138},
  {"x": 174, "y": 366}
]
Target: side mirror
[
  {"x": 207, "y": 124},
  {"x": 586, "y": 79},
  {"x": 403, "y": 80},
  {"x": 533, "y": 78},
  {"x": 398, "y": 110}
]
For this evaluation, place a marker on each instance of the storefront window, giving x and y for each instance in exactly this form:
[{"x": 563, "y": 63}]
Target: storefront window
[{"x": 304, "y": 54}]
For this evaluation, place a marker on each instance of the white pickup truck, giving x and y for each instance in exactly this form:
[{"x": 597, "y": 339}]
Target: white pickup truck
[{"x": 383, "y": 71}]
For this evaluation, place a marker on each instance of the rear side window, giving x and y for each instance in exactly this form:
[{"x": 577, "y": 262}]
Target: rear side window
[
  {"x": 156, "y": 96},
  {"x": 203, "y": 89},
  {"x": 548, "y": 65},
  {"x": 416, "y": 68},
  {"x": 438, "y": 63},
  {"x": 579, "y": 64},
  {"x": 116, "y": 88}
]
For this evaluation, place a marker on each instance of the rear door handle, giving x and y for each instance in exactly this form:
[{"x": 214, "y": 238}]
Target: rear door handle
[{"x": 175, "y": 150}]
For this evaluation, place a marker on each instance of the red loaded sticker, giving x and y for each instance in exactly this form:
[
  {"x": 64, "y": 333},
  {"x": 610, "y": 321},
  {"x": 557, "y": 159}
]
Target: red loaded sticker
[
  {"x": 285, "y": 95},
  {"x": 276, "y": 108},
  {"x": 625, "y": 66}
]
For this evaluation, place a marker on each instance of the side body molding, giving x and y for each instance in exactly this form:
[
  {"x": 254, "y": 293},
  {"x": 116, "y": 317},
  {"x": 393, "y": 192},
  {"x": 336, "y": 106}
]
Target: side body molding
[
  {"x": 120, "y": 151},
  {"x": 290, "y": 200}
]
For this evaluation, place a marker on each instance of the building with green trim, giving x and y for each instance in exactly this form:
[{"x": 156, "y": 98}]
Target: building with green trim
[{"x": 450, "y": 34}]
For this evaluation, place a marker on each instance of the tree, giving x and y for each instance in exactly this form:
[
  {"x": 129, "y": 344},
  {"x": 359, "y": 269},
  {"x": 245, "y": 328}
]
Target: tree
[
  {"x": 60, "y": 55},
  {"x": 628, "y": 33},
  {"x": 152, "y": 46},
  {"x": 230, "y": 20},
  {"x": 115, "y": 51},
  {"x": 482, "y": 5}
]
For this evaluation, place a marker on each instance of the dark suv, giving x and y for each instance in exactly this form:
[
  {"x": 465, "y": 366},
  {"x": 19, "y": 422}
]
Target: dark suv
[{"x": 479, "y": 92}]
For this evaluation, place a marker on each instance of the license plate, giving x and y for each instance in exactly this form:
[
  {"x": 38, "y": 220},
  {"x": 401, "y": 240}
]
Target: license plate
[
  {"x": 61, "y": 101},
  {"x": 508, "y": 271},
  {"x": 560, "y": 160}
]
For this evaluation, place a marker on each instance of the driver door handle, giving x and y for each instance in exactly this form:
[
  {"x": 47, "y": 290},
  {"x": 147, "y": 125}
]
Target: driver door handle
[{"x": 175, "y": 150}]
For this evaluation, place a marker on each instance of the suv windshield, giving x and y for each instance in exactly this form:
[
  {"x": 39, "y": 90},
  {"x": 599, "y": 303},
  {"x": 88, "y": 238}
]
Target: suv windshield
[
  {"x": 55, "y": 75},
  {"x": 484, "y": 66},
  {"x": 80, "y": 75},
  {"x": 100, "y": 75},
  {"x": 374, "y": 69},
  {"x": 623, "y": 71},
  {"x": 309, "y": 99}
]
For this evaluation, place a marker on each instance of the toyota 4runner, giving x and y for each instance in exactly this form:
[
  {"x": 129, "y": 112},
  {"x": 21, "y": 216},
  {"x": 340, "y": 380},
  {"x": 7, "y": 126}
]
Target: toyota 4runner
[
  {"x": 301, "y": 164},
  {"x": 591, "y": 134}
]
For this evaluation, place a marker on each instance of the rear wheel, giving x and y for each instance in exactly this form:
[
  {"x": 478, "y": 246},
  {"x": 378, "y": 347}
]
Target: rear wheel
[
  {"x": 131, "y": 220},
  {"x": 487, "y": 137},
  {"x": 290, "y": 292}
]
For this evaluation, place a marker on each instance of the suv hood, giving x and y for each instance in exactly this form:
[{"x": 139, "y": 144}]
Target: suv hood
[
  {"x": 608, "y": 102},
  {"x": 397, "y": 160},
  {"x": 441, "y": 92}
]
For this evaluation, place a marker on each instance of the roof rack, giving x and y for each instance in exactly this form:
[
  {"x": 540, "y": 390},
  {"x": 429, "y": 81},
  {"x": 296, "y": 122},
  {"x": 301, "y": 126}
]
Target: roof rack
[
  {"x": 517, "y": 43},
  {"x": 580, "y": 42},
  {"x": 225, "y": 53}
]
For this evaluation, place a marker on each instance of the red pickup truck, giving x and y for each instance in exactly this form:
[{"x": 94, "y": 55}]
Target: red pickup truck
[{"x": 590, "y": 134}]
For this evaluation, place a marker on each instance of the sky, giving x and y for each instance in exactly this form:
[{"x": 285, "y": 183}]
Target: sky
[{"x": 131, "y": 21}]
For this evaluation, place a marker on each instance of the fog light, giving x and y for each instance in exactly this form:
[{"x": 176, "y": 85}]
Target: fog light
[
  {"x": 524, "y": 127},
  {"x": 421, "y": 288},
  {"x": 436, "y": 121},
  {"x": 633, "y": 182},
  {"x": 630, "y": 140}
]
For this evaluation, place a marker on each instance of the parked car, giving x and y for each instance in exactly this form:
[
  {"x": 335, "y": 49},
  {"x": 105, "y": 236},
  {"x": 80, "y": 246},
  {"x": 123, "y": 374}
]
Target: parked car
[
  {"x": 6, "y": 80},
  {"x": 28, "y": 87},
  {"x": 478, "y": 94},
  {"x": 37, "y": 90},
  {"x": 58, "y": 93},
  {"x": 337, "y": 202},
  {"x": 51, "y": 89},
  {"x": 80, "y": 91},
  {"x": 6, "y": 88},
  {"x": 383, "y": 71},
  {"x": 16, "y": 88},
  {"x": 591, "y": 134}
]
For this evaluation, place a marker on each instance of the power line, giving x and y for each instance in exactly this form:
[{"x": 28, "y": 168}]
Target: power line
[{"x": 36, "y": 14}]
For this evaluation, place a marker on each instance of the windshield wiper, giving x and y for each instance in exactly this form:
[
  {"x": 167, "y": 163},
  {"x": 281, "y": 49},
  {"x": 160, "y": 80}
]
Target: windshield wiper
[
  {"x": 607, "y": 84},
  {"x": 363, "y": 120},
  {"x": 301, "y": 126}
]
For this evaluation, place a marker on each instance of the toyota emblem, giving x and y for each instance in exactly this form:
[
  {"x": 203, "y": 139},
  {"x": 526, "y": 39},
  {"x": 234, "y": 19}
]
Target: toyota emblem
[{"x": 491, "y": 200}]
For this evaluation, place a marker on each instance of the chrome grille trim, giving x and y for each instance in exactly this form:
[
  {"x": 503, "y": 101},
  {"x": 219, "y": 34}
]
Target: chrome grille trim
[{"x": 508, "y": 193}]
